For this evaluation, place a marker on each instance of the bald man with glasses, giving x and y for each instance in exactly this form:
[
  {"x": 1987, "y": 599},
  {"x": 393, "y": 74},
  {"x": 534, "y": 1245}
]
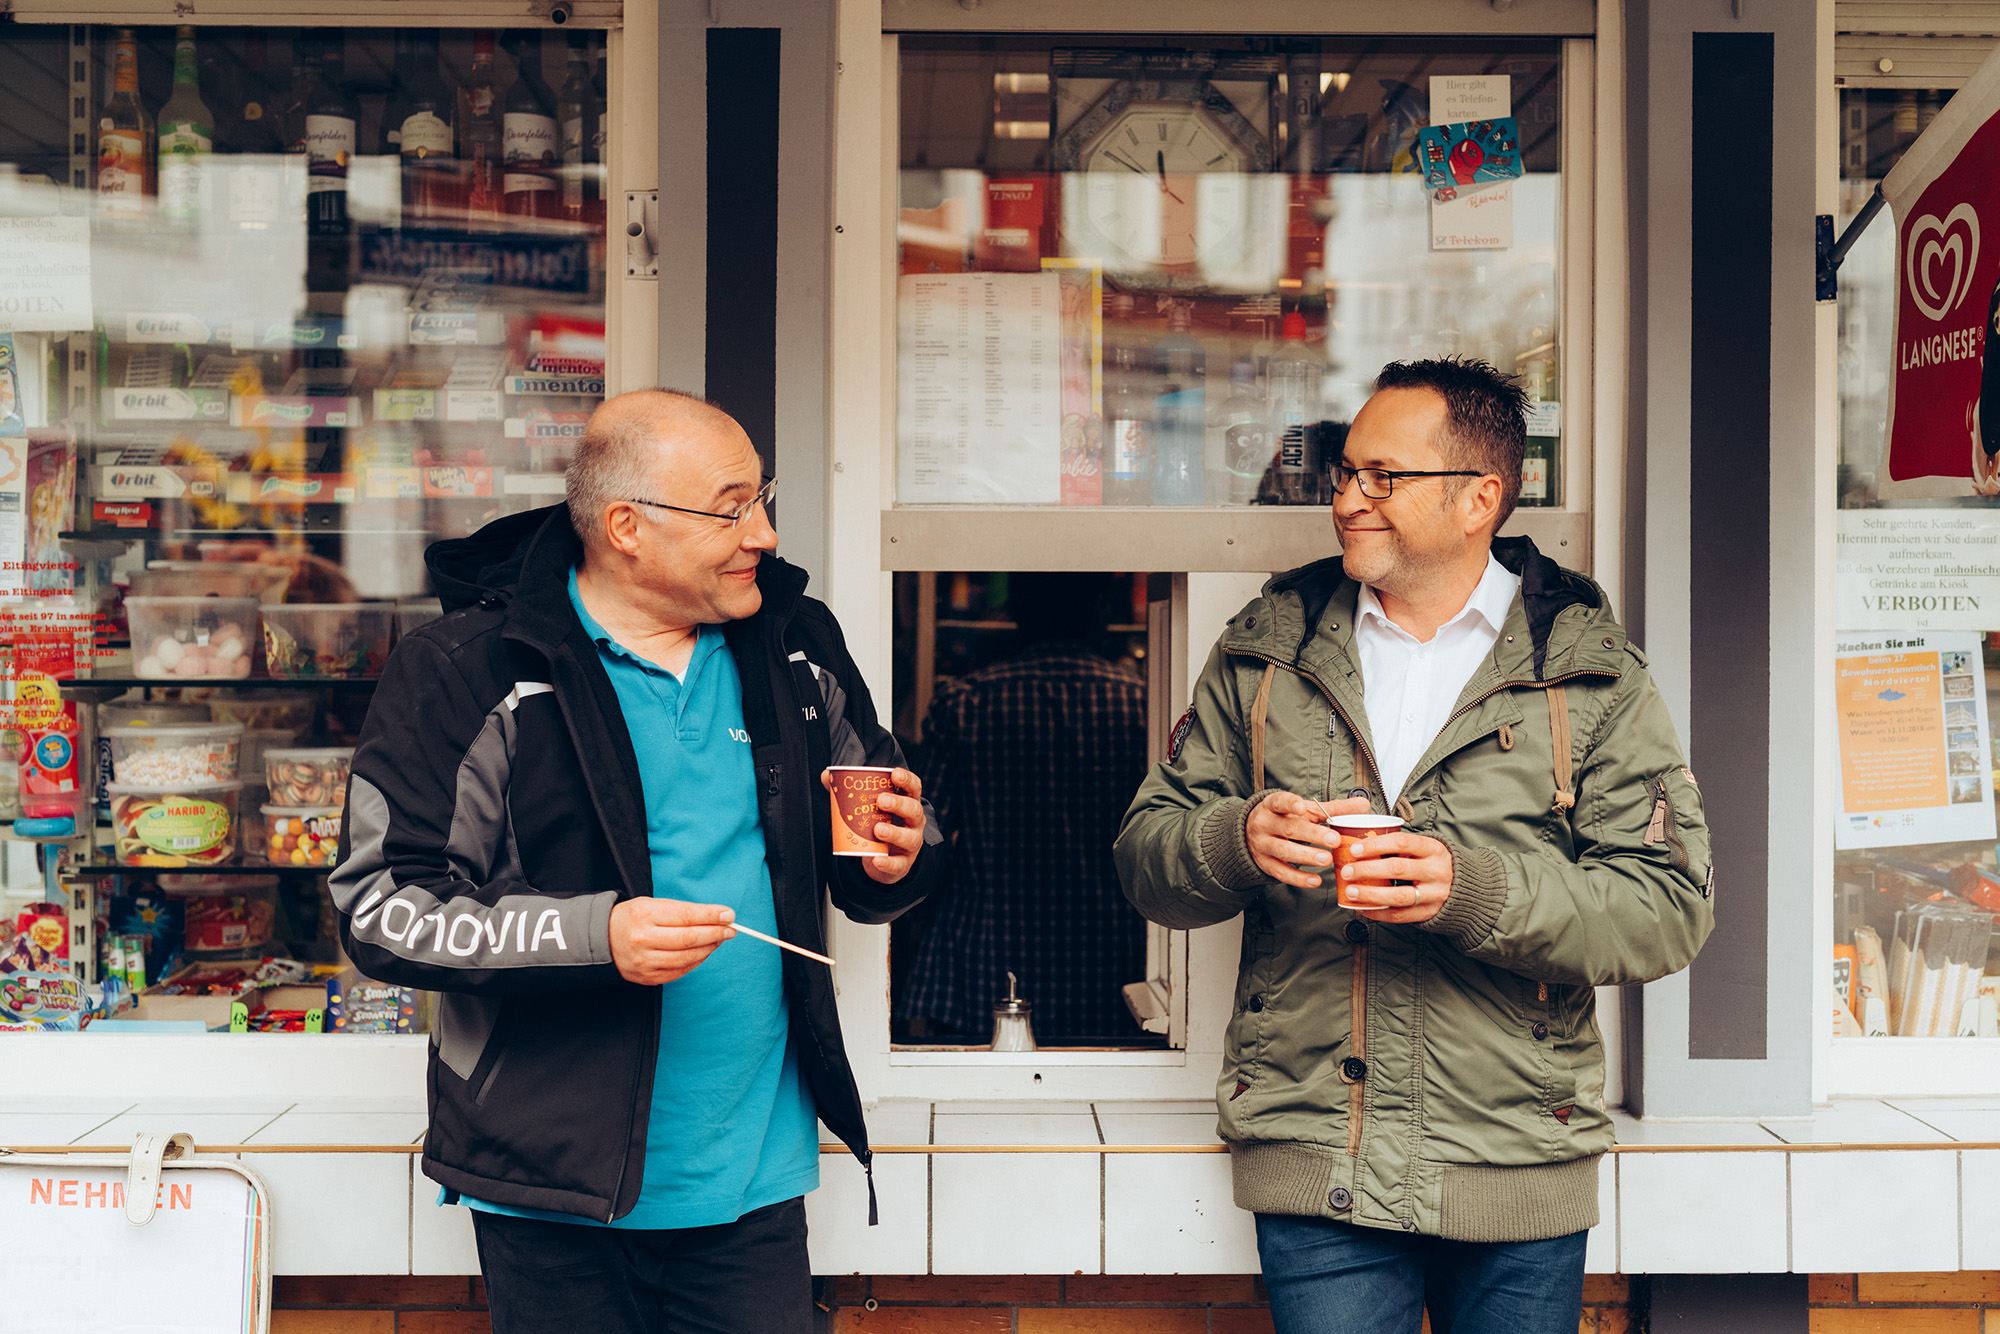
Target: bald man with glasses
[{"x": 570, "y": 791}]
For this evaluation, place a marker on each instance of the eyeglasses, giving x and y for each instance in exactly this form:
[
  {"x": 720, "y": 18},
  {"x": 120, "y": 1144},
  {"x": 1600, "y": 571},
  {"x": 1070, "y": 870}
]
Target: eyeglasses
[
  {"x": 1380, "y": 483},
  {"x": 733, "y": 518}
]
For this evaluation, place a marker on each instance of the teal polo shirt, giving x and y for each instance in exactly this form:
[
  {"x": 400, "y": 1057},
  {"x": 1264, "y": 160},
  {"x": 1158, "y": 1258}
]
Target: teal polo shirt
[{"x": 733, "y": 1126}]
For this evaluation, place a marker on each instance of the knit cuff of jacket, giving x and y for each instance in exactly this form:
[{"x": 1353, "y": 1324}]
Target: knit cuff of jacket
[
  {"x": 1225, "y": 844},
  {"x": 1478, "y": 892}
]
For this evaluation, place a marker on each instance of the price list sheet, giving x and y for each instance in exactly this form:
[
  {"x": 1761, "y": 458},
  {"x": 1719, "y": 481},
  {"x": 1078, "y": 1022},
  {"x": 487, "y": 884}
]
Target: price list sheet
[{"x": 978, "y": 401}]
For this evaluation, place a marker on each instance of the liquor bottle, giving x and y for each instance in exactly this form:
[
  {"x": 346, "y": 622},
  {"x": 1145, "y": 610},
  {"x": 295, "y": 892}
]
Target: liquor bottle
[
  {"x": 529, "y": 143},
  {"x": 430, "y": 174},
  {"x": 1246, "y": 433},
  {"x": 478, "y": 129},
  {"x": 581, "y": 113},
  {"x": 1128, "y": 411},
  {"x": 1295, "y": 379},
  {"x": 1906, "y": 122},
  {"x": 1536, "y": 365},
  {"x": 258, "y": 127},
  {"x": 187, "y": 135},
  {"x": 260, "y": 174},
  {"x": 402, "y": 70},
  {"x": 1180, "y": 411},
  {"x": 124, "y": 137},
  {"x": 291, "y": 104},
  {"x": 330, "y": 120}
]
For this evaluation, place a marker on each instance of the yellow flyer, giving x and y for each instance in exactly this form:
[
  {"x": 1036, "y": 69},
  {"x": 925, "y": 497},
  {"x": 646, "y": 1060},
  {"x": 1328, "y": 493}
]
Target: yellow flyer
[{"x": 1915, "y": 762}]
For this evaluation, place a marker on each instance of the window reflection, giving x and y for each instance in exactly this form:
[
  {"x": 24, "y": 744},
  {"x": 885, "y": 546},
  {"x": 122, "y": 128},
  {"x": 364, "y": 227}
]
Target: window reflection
[
  {"x": 1141, "y": 273},
  {"x": 1917, "y": 883}
]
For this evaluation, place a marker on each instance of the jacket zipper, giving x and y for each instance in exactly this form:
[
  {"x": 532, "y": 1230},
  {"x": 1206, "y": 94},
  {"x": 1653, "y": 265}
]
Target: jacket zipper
[
  {"x": 1345, "y": 717},
  {"x": 1660, "y": 829}
]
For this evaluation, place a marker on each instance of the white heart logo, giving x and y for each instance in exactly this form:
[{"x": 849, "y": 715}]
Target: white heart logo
[{"x": 1927, "y": 255}]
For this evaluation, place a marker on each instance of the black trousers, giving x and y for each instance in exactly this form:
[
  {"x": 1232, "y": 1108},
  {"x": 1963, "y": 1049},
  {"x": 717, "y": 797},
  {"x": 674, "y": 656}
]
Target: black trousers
[{"x": 747, "y": 1277}]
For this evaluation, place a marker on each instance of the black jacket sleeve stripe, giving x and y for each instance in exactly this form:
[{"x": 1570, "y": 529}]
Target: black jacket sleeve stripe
[{"x": 430, "y": 891}]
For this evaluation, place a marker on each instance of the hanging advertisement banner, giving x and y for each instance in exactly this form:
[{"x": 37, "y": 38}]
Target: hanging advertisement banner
[
  {"x": 1944, "y": 396},
  {"x": 1914, "y": 761}
]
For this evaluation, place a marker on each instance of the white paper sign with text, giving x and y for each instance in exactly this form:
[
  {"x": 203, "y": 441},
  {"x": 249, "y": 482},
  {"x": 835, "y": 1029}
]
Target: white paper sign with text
[{"x": 1917, "y": 569}]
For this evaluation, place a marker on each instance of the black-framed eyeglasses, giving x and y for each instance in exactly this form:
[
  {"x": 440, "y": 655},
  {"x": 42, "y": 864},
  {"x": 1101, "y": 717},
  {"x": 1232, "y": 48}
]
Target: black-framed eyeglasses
[
  {"x": 1380, "y": 483},
  {"x": 734, "y": 517}
]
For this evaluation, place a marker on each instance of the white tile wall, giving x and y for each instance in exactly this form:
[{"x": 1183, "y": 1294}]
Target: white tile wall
[
  {"x": 1158, "y": 1127},
  {"x": 1015, "y": 1213},
  {"x": 1858, "y": 1122},
  {"x": 1172, "y": 1213},
  {"x": 21, "y": 1128},
  {"x": 441, "y": 1239},
  {"x": 1040, "y": 1128},
  {"x": 1884, "y": 1212},
  {"x": 1979, "y": 1204},
  {"x": 342, "y": 1128},
  {"x": 837, "y": 1231},
  {"x": 1702, "y": 1213},
  {"x": 337, "y": 1213},
  {"x": 207, "y": 1127},
  {"x": 1600, "y": 1250},
  {"x": 1978, "y": 1123},
  {"x": 1632, "y": 1131}
]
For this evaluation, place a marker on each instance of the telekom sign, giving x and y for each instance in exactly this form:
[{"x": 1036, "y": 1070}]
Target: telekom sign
[{"x": 1944, "y": 407}]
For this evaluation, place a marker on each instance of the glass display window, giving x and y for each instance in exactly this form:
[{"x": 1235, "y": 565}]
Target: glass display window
[
  {"x": 279, "y": 307},
  {"x": 1163, "y": 272},
  {"x": 1021, "y": 699},
  {"x": 1916, "y": 652}
]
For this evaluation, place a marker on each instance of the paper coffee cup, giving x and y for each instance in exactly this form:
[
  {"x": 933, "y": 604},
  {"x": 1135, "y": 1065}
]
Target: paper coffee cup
[
  {"x": 1352, "y": 829},
  {"x": 855, "y": 814}
]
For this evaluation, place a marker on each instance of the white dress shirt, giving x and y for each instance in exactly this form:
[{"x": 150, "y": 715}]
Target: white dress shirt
[{"x": 1410, "y": 687}]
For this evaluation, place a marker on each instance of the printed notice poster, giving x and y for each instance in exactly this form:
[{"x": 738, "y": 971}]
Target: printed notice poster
[
  {"x": 1915, "y": 763},
  {"x": 979, "y": 388},
  {"x": 1929, "y": 569},
  {"x": 45, "y": 274}
]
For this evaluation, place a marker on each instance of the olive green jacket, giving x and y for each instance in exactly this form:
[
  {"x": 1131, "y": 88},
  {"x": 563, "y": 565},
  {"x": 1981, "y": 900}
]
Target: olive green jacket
[{"x": 1445, "y": 1078}]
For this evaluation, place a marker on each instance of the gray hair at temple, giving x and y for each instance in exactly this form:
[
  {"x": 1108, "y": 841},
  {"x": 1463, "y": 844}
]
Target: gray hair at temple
[{"x": 614, "y": 459}]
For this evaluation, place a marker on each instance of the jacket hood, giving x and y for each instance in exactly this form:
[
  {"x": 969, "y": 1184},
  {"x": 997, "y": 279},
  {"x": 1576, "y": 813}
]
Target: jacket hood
[
  {"x": 537, "y": 544},
  {"x": 1298, "y": 602}
]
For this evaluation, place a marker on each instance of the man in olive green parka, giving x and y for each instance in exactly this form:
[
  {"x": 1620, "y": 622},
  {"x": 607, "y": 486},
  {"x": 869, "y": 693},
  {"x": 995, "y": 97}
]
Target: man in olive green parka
[{"x": 1413, "y": 1094}]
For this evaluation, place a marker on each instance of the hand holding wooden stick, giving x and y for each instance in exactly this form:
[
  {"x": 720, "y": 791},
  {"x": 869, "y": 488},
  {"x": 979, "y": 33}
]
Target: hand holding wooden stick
[{"x": 781, "y": 944}]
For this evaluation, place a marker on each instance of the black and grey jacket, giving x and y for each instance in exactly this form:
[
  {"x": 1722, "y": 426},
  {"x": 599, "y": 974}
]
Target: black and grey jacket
[{"x": 495, "y": 817}]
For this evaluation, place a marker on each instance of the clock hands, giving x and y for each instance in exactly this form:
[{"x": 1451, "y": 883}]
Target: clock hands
[{"x": 1165, "y": 189}]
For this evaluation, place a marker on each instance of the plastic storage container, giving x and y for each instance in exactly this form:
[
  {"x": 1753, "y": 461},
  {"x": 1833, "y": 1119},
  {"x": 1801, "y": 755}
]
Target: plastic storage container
[
  {"x": 256, "y": 742},
  {"x": 266, "y": 708},
  {"x": 333, "y": 640},
  {"x": 191, "y": 824},
  {"x": 301, "y": 835},
  {"x": 135, "y": 713},
  {"x": 307, "y": 777},
  {"x": 157, "y": 754},
  {"x": 195, "y": 638},
  {"x": 210, "y": 578},
  {"x": 235, "y": 920}
]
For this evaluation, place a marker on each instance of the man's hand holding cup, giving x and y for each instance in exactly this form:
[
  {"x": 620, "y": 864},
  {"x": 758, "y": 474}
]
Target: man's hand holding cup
[
  {"x": 1376, "y": 867},
  {"x": 1388, "y": 873}
]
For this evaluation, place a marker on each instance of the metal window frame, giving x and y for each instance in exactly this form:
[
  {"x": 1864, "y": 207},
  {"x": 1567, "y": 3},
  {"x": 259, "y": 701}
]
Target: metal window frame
[{"x": 869, "y": 536}]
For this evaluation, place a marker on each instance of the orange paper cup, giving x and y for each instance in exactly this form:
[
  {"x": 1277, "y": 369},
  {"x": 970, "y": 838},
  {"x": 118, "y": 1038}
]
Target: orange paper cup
[
  {"x": 855, "y": 814},
  {"x": 1352, "y": 829}
]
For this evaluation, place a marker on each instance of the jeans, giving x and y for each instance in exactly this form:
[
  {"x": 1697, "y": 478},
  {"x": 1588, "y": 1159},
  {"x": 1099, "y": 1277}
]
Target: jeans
[
  {"x": 1336, "y": 1278},
  {"x": 747, "y": 1277}
]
